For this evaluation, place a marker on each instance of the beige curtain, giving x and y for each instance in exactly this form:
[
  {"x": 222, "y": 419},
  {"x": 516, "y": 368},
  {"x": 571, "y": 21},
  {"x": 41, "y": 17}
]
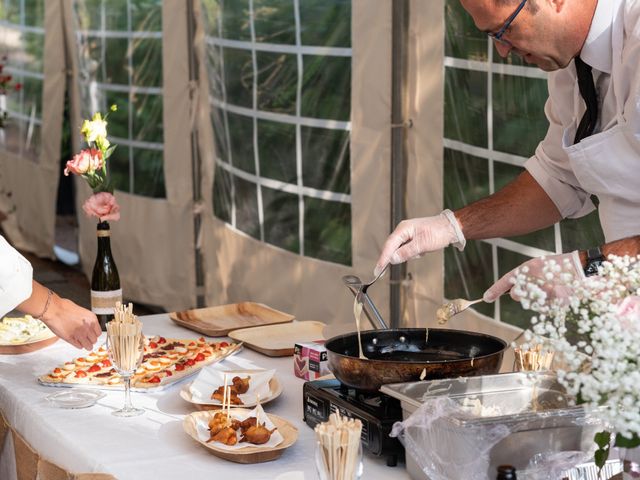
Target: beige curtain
[
  {"x": 33, "y": 179},
  {"x": 240, "y": 268},
  {"x": 153, "y": 243}
]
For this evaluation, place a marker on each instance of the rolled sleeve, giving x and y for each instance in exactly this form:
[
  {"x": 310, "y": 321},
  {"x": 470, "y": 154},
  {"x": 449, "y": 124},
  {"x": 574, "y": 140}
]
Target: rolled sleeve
[
  {"x": 570, "y": 201},
  {"x": 16, "y": 276}
]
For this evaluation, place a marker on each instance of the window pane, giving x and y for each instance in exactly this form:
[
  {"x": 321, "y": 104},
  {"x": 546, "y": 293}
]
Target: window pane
[
  {"x": 147, "y": 118},
  {"x": 118, "y": 122},
  {"x": 147, "y": 62},
  {"x": 34, "y": 13},
  {"x": 246, "y": 198},
  {"x": 119, "y": 168},
  {"x": 277, "y": 82},
  {"x": 466, "y": 179},
  {"x": 469, "y": 273},
  {"x": 326, "y": 23},
  {"x": 274, "y": 21},
  {"x": 115, "y": 15},
  {"x": 465, "y": 106},
  {"x": 33, "y": 44},
  {"x": 326, "y": 87},
  {"x": 32, "y": 97},
  {"x": 277, "y": 144},
  {"x": 238, "y": 73},
  {"x": 146, "y": 16},
  {"x": 281, "y": 219},
  {"x": 326, "y": 161},
  {"x": 235, "y": 19},
  {"x": 545, "y": 238},
  {"x": 581, "y": 233},
  {"x": 518, "y": 112},
  {"x": 463, "y": 39},
  {"x": 327, "y": 230},
  {"x": 511, "y": 312},
  {"x": 148, "y": 173},
  {"x": 241, "y": 132},
  {"x": 116, "y": 61},
  {"x": 222, "y": 195}
]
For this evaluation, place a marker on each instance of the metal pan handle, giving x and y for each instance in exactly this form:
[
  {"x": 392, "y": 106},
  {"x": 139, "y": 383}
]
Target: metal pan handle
[{"x": 354, "y": 283}]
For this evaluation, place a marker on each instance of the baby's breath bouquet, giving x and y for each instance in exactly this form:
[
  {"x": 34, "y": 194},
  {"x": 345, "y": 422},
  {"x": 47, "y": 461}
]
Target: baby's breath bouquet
[{"x": 594, "y": 325}]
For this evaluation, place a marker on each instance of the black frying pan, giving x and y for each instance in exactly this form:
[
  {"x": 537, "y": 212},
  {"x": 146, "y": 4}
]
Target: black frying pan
[{"x": 401, "y": 355}]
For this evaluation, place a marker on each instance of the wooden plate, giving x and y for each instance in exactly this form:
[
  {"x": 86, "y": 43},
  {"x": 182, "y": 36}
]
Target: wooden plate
[
  {"x": 255, "y": 454},
  {"x": 274, "y": 385},
  {"x": 27, "y": 347},
  {"x": 279, "y": 340},
  {"x": 219, "y": 321}
]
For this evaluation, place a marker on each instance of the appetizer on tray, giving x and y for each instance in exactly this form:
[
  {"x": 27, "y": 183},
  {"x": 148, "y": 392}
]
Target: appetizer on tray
[
  {"x": 241, "y": 435},
  {"x": 165, "y": 361}
]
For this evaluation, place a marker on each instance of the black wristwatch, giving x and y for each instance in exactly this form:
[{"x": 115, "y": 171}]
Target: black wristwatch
[{"x": 594, "y": 260}]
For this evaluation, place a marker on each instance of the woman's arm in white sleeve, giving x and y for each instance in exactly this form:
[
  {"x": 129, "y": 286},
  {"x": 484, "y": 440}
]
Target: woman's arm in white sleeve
[{"x": 15, "y": 277}]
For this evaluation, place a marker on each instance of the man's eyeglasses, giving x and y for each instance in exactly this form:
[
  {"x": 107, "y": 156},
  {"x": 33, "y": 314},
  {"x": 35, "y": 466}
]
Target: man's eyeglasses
[{"x": 498, "y": 35}]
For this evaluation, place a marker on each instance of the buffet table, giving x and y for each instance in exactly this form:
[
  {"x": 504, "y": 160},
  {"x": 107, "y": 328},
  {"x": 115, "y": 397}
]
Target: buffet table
[{"x": 151, "y": 446}]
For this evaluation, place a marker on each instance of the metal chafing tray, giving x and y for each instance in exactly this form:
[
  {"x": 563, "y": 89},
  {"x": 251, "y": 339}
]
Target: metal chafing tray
[{"x": 534, "y": 407}]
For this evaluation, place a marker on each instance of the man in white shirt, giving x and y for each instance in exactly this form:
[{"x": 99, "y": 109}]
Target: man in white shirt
[
  {"x": 592, "y": 50},
  {"x": 18, "y": 290}
]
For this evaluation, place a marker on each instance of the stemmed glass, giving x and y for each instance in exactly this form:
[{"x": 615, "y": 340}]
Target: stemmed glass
[{"x": 126, "y": 364}]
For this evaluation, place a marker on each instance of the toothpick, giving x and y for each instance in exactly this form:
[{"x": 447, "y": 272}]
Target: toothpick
[{"x": 224, "y": 392}]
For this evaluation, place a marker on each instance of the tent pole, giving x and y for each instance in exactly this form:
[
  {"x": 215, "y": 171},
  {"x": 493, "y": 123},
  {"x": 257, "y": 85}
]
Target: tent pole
[
  {"x": 196, "y": 166},
  {"x": 399, "y": 40}
]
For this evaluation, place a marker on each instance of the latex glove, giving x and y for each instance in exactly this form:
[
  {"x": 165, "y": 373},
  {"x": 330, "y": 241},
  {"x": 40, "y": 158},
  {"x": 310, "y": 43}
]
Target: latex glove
[
  {"x": 412, "y": 238},
  {"x": 569, "y": 262},
  {"x": 72, "y": 323}
]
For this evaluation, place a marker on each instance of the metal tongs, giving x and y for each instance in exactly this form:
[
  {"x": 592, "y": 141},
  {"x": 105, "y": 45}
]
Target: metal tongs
[{"x": 359, "y": 290}]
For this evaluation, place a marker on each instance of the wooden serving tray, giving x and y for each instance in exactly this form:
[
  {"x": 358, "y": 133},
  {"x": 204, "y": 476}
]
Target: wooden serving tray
[
  {"x": 279, "y": 340},
  {"x": 219, "y": 321}
]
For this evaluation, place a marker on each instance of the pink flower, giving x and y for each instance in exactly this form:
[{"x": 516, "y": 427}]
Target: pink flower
[
  {"x": 102, "y": 205},
  {"x": 629, "y": 312},
  {"x": 85, "y": 162}
]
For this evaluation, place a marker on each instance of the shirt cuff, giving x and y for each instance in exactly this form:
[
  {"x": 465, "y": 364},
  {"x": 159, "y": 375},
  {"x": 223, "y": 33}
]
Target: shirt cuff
[
  {"x": 570, "y": 201},
  {"x": 16, "y": 276}
]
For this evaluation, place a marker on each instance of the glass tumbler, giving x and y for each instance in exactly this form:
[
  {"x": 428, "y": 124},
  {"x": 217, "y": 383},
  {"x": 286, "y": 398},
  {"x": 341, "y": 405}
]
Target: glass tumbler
[{"x": 328, "y": 470}]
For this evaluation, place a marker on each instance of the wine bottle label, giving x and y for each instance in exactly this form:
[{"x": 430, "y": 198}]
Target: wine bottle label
[
  {"x": 104, "y": 303},
  {"x": 104, "y": 233}
]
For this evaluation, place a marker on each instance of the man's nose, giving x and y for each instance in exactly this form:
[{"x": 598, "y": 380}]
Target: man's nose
[{"x": 503, "y": 48}]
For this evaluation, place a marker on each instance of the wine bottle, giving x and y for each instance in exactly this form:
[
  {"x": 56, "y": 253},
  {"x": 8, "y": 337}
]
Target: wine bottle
[
  {"x": 105, "y": 281},
  {"x": 506, "y": 472}
]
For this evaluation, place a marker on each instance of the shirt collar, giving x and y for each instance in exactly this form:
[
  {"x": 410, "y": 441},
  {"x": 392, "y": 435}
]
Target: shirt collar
[{"x": 597, "y": 47}]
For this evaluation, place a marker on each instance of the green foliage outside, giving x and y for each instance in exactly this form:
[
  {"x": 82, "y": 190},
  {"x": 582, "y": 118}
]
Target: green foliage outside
[{"x": 271, "y": 145}]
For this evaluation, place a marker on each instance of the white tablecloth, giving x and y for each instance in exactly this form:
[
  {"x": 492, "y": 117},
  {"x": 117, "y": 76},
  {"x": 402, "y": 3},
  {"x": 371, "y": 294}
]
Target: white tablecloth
[{"x": 152, "y": 446}]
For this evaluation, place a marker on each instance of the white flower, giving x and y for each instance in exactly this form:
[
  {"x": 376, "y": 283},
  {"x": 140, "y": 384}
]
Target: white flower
[{"x": 598, "y": 324}]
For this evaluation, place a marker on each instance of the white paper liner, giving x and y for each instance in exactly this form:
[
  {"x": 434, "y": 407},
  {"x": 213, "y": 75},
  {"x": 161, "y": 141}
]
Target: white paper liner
[
  {"x": 202, "y": 427},
  {"x": 212, "y": 377}
]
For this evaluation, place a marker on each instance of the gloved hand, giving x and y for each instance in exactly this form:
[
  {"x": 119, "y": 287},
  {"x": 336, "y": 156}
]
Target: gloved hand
[
  {"x": 417, "y": 236},
  {"x": 567, "y": 263}
]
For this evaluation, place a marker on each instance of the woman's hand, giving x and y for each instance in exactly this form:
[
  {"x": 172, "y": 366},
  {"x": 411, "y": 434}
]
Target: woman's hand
[{"x": 72, "y": 323}]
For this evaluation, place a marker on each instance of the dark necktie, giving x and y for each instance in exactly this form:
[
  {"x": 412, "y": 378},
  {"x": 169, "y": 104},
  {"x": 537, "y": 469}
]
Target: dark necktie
[{"x": 590, "y": 96}]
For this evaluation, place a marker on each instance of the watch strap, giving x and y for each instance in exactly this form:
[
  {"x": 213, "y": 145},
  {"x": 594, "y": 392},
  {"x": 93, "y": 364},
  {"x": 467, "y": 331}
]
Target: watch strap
[{"x": 595, "y": 258}]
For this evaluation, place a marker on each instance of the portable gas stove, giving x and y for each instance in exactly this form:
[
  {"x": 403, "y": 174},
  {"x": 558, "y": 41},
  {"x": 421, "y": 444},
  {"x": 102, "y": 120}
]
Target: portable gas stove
[{"x": 377, "y": 412}]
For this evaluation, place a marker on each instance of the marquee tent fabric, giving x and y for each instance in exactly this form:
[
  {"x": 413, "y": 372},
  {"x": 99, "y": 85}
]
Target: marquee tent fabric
[{"x": 254, "y": 147}]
